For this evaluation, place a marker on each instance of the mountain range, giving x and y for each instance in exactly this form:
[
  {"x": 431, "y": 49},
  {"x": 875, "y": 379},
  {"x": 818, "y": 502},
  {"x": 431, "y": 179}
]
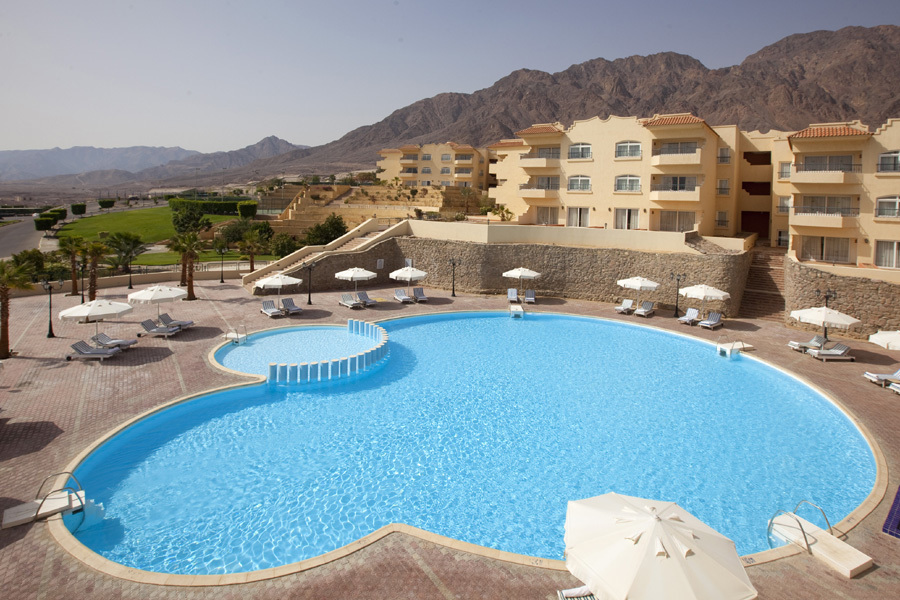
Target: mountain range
[{"x": 815, "y": 77}]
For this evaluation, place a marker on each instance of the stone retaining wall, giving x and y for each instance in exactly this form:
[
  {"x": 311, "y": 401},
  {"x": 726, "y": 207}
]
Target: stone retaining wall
[{"x": 875, "y": 303}]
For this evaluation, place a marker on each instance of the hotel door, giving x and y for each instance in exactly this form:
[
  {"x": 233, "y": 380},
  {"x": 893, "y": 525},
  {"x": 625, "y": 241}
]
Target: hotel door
[{"x": 755, "y": 222}]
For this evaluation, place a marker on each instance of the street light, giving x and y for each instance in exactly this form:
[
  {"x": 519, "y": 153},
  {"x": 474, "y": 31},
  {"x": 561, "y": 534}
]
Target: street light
[
  {"x": 48, "y": 285},
  {"x": 678, "y": 279},
  {"x": 130, "y": 258},
  {"x": 454, "y": 262},
  {"x": 221, "y": 248},
  {"x": 309, "y": 270},
  {"x": 82, "y": 282},
  {"x": 829, "y": 295}
]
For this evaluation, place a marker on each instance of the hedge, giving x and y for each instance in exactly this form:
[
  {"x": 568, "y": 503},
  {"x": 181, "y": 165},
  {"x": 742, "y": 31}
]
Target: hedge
[{"x": 209, "y": 207}]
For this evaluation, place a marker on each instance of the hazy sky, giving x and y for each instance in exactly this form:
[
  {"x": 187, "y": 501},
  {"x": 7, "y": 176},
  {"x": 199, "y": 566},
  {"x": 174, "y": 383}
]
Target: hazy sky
[{"x": 213, "y": 75}]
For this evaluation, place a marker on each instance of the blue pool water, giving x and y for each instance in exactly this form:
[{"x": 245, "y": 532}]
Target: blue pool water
[{"x": 478, "y": 427}]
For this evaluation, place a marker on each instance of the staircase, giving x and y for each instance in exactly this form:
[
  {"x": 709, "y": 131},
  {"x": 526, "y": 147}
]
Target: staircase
[{"x": 763, "y": 296}]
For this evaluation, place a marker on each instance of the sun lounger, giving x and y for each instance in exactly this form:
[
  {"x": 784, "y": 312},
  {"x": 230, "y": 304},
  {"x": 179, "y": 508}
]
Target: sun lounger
[
  {"x": 419, "y": 295},
  {"x": 580, "y": 593},
  {"x": 626, "y": 308},
  {"x": 364, "y": 298},
  {"x": 838, "y": 352},
  {"x": 691, "y": 316},
  {"x": 349, "y": 301},
  {"x": 401, "y": 296},
  {"x": 883, "y": 379},
  {"x": 270, "y": 310},
  {"x": 713, "y": 320},
  {"x": 151, "y": 328},
  {"x": 289, "y": 308},
  {"x": 168, "y": 321},
  {"x": 84, "y": 350},
  {"x": 104, "y": 341},
  {"x": 645, "y": 310},
  {"x": 512, "y": 294},
  {"x": 894, "y": 387},
  {"x": 529, "y": 297},
  {"x": 817, "y": 342}
]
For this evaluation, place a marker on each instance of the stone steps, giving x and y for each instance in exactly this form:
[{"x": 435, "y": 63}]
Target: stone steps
[{"x": 763, "y": 294}]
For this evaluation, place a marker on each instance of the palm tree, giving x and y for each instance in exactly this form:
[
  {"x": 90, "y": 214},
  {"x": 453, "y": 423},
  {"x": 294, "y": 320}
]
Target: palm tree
[
  {"x": 252, "y": 245},
  {"x": 71, "y": 247},
  {"x": 189, "y": 245},
  {"x": 128, "y": 246},
  {"x": 93, "y": 252},
  {"x": 11, "y": 278}
]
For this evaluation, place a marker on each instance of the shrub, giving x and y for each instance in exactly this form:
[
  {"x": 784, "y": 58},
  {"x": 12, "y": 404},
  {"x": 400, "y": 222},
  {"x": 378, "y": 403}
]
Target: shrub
[
  {"x": 44, "y": 223},
  {"x": 106, "y": 202},
  {"x": 62, "y": 212},
  {"x": 79, "y": 209},
  {"x": 460, "y": 216},
  {"x": 283, "y": 244},
  {"x": 246, "y": 209},
  {"x": 418, "y": 212}
]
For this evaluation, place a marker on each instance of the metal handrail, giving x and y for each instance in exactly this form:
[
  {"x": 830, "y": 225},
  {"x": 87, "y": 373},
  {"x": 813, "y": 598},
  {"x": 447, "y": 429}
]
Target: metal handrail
[
  {"x": 825, "y": 211},
  {"x": 807, "y": 168},
  {"x": 799, "y": 524},
  {"x": 668, "y": 187},
  {"x": 827, "y": 522},
  {"x": 51, "y": 476}
]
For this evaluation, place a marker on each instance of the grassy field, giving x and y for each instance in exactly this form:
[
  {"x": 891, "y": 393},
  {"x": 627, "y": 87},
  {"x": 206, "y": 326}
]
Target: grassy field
[
  {"x": 153, "y": 224},
  {"x": 170, "y": 258}
]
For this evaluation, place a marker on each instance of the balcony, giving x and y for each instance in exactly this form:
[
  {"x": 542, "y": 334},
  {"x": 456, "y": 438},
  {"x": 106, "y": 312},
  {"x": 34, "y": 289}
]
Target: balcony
[
  {"x": 838, "y": 218},
  {"x": 818, "y": 174},
  {"x": 409, "y": 174},
  {"x": 464, "y": 160},
  {"x": 663, "y": 192},
  {"x": 533, "y": 160},
  {"x": 662, "y": 158},
  {"x": 534, "y": 191},
  {"x": 463, "y": 174},
  {"x": 409, "y": 159}
]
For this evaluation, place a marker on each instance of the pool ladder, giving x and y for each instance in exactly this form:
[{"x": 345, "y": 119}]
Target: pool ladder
[
  {"x": 57, "y": 500},
  {"x": 727, "y": 348},
  {"x": 237, "y": 334},
  {"x": 793, "y": 516}
]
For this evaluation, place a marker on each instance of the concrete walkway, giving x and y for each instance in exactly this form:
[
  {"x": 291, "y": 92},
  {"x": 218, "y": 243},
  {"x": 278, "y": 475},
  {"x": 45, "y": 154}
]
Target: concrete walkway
[{"x": 52, "y": 409}]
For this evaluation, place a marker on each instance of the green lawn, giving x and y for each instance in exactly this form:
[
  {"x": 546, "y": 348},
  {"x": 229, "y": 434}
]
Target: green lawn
[
  {"x": 153, "y": 224},
  {"x": 171, "y": 258}
]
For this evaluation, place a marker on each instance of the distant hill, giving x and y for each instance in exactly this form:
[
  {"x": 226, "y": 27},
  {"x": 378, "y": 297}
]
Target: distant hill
[{"x": 35, "y": 164}]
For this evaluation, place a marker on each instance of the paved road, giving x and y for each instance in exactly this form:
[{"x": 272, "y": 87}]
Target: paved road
[{"x": 18, "y": 236}]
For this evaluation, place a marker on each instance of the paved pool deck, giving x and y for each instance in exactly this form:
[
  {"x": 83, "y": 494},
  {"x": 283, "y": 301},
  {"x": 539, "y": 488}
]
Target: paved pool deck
[{"x": 51, "y": 409}]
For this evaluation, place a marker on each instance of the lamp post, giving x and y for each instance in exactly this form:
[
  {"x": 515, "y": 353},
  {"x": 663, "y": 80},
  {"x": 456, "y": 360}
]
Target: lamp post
[
  {"x": 48, "y": 285},
  {"x": 454, "y": 262},
  {"x": 309, "y": 270},
  {"x": 130, "y": 258},
  {"x": 82, "y": 281},
  {"x": 678, "y": 279},
  {"x": 221, "y": 248},
  {"x": 829, "y": 295}
]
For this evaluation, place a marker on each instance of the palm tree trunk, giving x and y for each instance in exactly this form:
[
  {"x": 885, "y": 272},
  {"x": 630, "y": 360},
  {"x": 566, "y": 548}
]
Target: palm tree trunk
[
  {"x": 190, "y": 279},
  {"x": 74, "y": 262},
  {"x": 252, "y": 268},
  {"x": 183, "y": 270},
  {"x": 4, "y": 323},
  {"x": 92, "y": 281}
]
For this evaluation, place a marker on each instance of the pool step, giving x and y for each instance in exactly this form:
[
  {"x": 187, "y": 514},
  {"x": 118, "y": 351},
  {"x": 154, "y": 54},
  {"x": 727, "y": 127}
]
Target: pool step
[
  {"x": 837, "y": 554},
  {"x": 54, "y": 503}
]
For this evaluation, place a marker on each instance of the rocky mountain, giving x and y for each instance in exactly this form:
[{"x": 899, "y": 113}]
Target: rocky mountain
[{"x": 34, "y": 164}]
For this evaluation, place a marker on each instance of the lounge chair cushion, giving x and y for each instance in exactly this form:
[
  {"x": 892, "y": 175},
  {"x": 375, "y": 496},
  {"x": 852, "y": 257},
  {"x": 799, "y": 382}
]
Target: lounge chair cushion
[
  {"x": 626, "y": 307},
  {"x": 270, "y": 310},
  {"x": 402, "y": 296},
  {"x": 512, "y": 294},
  {"x": 712, "y": 321},
  {"x": 645, "y": 310},
  {"x": 690, "y": 317},
  {"x": 419, "y": 295}
]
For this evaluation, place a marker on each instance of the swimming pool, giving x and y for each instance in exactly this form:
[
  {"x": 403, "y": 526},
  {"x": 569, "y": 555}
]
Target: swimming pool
[{"x": 480, "y": 428}]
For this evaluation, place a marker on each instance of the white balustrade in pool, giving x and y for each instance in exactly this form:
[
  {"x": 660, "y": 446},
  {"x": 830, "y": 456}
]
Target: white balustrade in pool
[{"x": 335, "y": 368}]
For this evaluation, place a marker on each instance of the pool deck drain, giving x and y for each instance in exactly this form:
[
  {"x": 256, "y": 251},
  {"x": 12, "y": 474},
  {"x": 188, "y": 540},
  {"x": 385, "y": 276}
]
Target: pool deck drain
[{"x": 51, "y": 411}]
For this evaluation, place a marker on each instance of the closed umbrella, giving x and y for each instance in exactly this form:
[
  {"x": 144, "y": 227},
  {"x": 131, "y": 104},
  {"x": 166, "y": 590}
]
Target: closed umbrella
[
  {"x": 626, "y": 547},
  {"x": 521, "y": 273},
  {"x": 886, "y": 339},
  {"x": 355, "y": 275},
  {"x": 824, "y": 316},
  {"x": 156, "y": 294},
  {"x": 277, "y": 281},
  {"x": 408, "y": 274},
  {"x": 640, "y": 284},
  {"x": 703, "y": 293},
  {"x": 95, "y": 311}
]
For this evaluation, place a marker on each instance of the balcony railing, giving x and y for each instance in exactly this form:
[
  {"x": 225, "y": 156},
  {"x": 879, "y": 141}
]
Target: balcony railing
[
  {"x": 668, "y": 187},
  {"x": 542, "y": 186},
  {"x": 887, "y": 212},
  {"x": 723, "y": 191},
  {"x": 545, "y": 154},
  {"x": 826, "y": 211},
  {"x": 889, "y": 167},
  {"x": 819, "y": 168},
  {"x": 669, "y": 151}
]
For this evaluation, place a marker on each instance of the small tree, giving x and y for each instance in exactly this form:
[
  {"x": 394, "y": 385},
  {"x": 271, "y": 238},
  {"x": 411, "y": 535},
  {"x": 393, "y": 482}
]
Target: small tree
[
  {"x": 189, "y": 217},
  {"x": 322, "y": 233},
  {"x": 283, "y": 244},
  {"x": 247, "y": 209},
  {"x": 44, "y": 224},
  {"x": 106, "y": 203},
  {"x": 127, "y": 246},
  {"x": 413, "y": 192},
  {"x": 190, "y": 246},
  {"x": 252, "y": 245},
  {"x": 12, "y": 277},
  {"x": 71, "y": 247},
  {"x": 79, "y": 209},
  {"x": 93, "y": 252}
]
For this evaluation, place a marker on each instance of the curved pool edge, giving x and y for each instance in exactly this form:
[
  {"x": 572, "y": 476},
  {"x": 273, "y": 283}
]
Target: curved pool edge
[{"x": 90, "y": 558}]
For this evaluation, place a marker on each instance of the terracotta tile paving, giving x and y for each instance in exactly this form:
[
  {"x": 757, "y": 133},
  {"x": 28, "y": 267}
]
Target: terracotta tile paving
[{"x": 51, "y": 409}]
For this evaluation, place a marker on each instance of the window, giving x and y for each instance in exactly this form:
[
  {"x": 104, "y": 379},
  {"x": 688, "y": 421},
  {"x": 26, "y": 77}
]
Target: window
[
  {"x": 552, "y": 152},
  {"x": 825, "y": 205},
  {"x": 828, "y": 249},
  {"x": 724, "y": 156},
  {"x": 410, "y": 157},
  {"x": 426, "y": 157},
  {"x": 581, "y": 183},
  {"x": 546, "y": 183},
  {"x": 723, "y": 187},
  {"x": 722, "y": 218},
  {"x": 579, "y": 151},
  {"x": 843, "y": 162},
  {"x": 445, "y": 183},
  {"x": 784, "y": 170},
  {"x": 889, "y": 162},
  {"x": 464, "y": 157},
  {"x": 678, "y": 148},
  {"x": 445, "y": 170},
  {"x": 887, "y": 254},
  {"x": 628, "y": 149},
  {"x": 445, "y": 158},
  {"x": 628, "y": 183},
  {"x": 410, "y": 170},
  {"x": 578, "y": 217},
  {"x": 426, "y": 169},
  {"x": 678, "y": 183},
  {"x": 784, "y": 205},
  {"x": 783, "y": 240},
  {"x": 463, "y": 171},
  {"x": 627, "y": 218},
  {"x": 676, "y": 220},
  {"x": 425, "y": 183},
  {"x": 888, "y": 207},
  {"x": 547, "y": 215}
]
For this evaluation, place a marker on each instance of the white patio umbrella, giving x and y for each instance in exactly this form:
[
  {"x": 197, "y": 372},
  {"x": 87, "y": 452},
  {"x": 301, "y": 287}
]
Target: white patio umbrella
[
  {"x": 824, "y": 316},
  {"x": 157, "y": 294},
  {"x": 703, "y": 293},
  {"x": 626, "y": 547},
  {"x": 641, "y": 284},
  {"x": 277, "y": 281},
  {"x": 355, "y": 275},
  {"x": 886, "y": 339},
  {"x": 95, "y": 311},
  {"x": 408, "y": 274},
  {"x": 521, "y": 273}
]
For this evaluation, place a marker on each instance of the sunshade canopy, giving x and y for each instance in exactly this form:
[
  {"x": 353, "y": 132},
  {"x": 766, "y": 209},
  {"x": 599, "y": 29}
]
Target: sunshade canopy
[
  {"x": 638, "y": 283},
  {"x": 408, "y": 274},
  {"x": 626, "y": 547},
  {"x": 157, "y": 294},
  {"x": 522, "y": 273},
  {"x": 355, "y": 274},
  {"x": 95, "y": 310},
  {"x": 277, "y": 281},
  {"x": 824, "y": 316},
  {"x": 704, "y": 292},
  {"x": 886, "y": 339}
]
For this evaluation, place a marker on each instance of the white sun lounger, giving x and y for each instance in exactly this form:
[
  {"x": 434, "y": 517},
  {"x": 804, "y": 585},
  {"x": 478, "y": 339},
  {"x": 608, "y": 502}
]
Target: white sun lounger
[
  {"x": 512, "y": 294},
  {"x": 104, "y": 341},
  {"x": 883, "y": 379},
  {"x": 84, "y": 350},
  {"x": 691, "y": 316},
  {"x": 419, "y": 295},
  {"x": 364, "y": 298},
  {"x": 289, "y": 308},
  {"x": 402, "y": 296},
  {"x": 151, "y": 328},
  {"x": 270, "y": 310},
  {"x": 713, "y": 320},
  {"x": 349, "y": 301},
  {"x": 645, "y": 310},
  {"x": 626, "y": 308},
  {"x": 817, "y": 342},
  {"x": 838, "y": 352},
  {"x": 168, "y": 321}
]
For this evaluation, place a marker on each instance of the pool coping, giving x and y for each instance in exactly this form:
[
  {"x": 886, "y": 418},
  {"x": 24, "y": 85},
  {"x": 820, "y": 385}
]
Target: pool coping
[{"x": 70, "y": 544}]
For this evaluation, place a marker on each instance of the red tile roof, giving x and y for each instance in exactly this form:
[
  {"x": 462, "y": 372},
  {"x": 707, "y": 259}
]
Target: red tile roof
[
  {"x": 660, "y": 120},
  {"x": 456, "y": 146},
  {"x": 389, "y": 151},
  {"x": 828, "y": 131},
  {"x": 507, "y": 143},
  {"x": 412, "y": 147},
  {"x": 538, "y": 129}
]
